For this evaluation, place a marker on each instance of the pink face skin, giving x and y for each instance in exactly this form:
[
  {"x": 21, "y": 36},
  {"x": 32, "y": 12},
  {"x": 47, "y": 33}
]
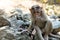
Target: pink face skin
[
  {"x": 38, "y": 13},
  {"x": 37, "y": 10}
]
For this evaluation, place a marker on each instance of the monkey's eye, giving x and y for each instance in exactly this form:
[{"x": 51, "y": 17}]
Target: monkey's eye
[{"x": 33, "y": 8}]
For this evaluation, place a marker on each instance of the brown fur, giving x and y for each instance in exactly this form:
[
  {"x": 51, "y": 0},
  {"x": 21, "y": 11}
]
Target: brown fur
[
  {"x": 4, "y": 22},
  {"x": 40, "y": 19}
]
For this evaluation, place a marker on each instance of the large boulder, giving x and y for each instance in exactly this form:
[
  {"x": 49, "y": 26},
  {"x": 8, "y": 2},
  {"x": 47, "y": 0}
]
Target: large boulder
[
  {"x": 4, "y": 22},
  {"x": 4, "y": 35}
]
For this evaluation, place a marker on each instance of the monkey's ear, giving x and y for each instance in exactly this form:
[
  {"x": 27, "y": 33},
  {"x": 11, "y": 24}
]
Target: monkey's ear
[{"x": 30, "y": 9}]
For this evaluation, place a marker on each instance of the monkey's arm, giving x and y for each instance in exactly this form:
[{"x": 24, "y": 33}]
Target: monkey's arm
[
  {"x": 30, "y": 27},
  {"x": 38, "y": 31}
]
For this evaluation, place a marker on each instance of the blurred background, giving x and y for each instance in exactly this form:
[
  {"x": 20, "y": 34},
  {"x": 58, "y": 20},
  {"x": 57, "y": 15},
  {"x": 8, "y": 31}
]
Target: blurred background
[
  {"x": 15, "y": 17},
  {"x": 48, "y": 5}
]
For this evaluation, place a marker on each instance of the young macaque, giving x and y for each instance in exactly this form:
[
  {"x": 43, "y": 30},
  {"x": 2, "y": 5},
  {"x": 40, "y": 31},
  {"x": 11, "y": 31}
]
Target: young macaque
[{"x": 40, "y": 21}]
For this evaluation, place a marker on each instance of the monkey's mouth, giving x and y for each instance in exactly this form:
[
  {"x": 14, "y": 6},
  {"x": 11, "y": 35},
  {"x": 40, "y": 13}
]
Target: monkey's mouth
[{"x": 38, "y": 13}]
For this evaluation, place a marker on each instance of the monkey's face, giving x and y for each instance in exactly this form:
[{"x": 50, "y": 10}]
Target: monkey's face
[{"x": 36, "y": 10}]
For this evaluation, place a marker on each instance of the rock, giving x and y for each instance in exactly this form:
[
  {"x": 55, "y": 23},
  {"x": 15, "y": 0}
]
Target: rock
[
  {"x": 1, "y": 12},
  {"x": 13, "y": 33},
  {"x": 4, "y": 35},
  {"x": 9, "y": 36},
  {"x": 4, "y": 22}
]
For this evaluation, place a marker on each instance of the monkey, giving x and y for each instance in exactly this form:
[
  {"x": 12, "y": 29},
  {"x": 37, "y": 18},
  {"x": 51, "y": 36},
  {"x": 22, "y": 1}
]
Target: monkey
[{"x": 39, "y": 19}]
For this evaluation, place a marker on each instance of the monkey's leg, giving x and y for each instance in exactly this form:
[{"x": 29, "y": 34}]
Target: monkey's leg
[
  {"x": 56, "y": 36},
  {"x": 38, "y": 31}
]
